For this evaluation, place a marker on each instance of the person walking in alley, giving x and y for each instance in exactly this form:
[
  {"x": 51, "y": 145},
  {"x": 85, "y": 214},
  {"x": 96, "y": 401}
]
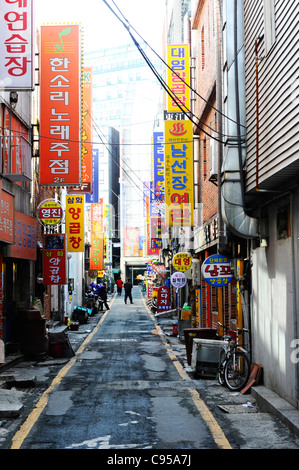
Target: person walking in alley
[
  {"x": 103, "y": 294},
  {"x": 119, "y": 284},
  {"x": 128, "y": 291}
]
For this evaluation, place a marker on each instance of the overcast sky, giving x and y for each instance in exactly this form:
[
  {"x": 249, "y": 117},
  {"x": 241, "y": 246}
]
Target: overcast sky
[{"x": 101, "y": 27}]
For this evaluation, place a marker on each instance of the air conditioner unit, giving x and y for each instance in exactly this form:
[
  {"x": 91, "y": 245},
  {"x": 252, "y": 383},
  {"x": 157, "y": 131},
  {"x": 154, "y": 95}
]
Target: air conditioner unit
[{"x": 213, "y": 156}]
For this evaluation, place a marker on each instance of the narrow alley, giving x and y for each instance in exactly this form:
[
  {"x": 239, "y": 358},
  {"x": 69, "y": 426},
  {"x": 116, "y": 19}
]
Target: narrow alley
[{"x": 128, "y": 388}]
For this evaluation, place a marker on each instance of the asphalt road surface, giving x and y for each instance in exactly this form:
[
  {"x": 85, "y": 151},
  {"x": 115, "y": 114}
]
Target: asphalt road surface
[{"x": 125, "y": 390}]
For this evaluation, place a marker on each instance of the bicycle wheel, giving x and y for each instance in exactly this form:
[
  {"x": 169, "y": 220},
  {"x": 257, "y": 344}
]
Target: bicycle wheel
[
  {"x": 222, "y": 362},
  {"x": 237, "y": 371}
]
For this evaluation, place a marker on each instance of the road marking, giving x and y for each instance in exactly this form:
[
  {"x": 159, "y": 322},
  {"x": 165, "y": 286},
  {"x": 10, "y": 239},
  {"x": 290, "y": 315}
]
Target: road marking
[
  {"x": 216, "y": 431},
  {"x": 32, "y": 418}
]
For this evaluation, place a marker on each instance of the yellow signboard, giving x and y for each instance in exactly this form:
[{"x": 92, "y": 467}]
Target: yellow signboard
[
  {"x": 178, "y": 77},
  {"x": 178, "y": 174},
  {"x": 74, "y": 223},
  {"x": 182, "y": 261}
]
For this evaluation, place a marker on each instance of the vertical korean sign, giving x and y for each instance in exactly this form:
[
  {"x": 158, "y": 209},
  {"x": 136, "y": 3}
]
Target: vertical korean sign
[
  {"x": 54, "y": 259},
  {"x": 87, "y": 127},
  {"x": 60, "y": 104},
  {"x": 178, "y": 174},
  {"x": 74, "y": 223},
  {"x": 178, "y": 77},
  {"x": 96, "y": 250},
  {"x": 158, "y": 164},
  {"x": 16, "y": 45}
]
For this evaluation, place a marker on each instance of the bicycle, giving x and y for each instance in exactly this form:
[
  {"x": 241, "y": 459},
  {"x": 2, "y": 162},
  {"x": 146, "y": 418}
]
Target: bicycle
[{"x": 234, "y": 365}]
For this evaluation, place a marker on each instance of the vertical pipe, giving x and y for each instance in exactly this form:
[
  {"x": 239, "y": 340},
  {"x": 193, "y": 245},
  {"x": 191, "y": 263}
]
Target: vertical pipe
[{"x": 257, "y": 117}]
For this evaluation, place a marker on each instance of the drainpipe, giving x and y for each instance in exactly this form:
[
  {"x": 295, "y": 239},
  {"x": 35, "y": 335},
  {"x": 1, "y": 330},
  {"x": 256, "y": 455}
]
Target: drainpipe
[
  {"x": 232, "y": 178},
  {"x": 223, "y": 241}
]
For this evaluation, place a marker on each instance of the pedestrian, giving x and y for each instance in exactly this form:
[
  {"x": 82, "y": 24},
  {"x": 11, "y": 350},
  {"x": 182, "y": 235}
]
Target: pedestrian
[
  {"x": 103, "y": 294},
  {"x": 119, "y": 284},
  {"x": 128, "y": 291}
]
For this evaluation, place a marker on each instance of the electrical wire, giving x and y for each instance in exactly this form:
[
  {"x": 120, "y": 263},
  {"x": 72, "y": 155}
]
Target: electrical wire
[
  {"x": 128, "y": 26},
  {"x": 106, "y": 144}
]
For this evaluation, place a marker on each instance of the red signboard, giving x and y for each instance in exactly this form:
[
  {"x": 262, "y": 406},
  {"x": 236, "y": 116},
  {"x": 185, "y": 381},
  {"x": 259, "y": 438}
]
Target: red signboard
[
  {"x": 60, "y": 124},
  {"x": 163, "y": 299},
  {"x": 1, "y": 295},
  {"x": 25, "y": 237},
  {"x": 54, "y": 259},
  {"x": 16, "y": 45},
  {"x": 7, "y": 216}
]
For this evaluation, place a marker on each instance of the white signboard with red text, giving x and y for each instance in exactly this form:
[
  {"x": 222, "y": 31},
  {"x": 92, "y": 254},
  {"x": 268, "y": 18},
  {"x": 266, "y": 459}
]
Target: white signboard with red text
[
  {"x": 216, "y": 270},
  {"x": 16, "y": 45}
]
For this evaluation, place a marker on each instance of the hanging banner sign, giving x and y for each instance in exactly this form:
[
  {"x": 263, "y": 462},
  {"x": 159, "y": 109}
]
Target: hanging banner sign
[
  {"x": 163, "y": 302},
  {"x": 216, "y": 270},
  {"x": 50, "y": 212},
  {"x": 54, "y": 259},
  {"x": 182, "y": 261},
  {"x": 74, "y": 223},
  {"x": 178, "y": 280}
]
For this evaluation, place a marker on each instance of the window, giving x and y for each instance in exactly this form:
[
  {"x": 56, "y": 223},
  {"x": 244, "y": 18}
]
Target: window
[
  {"x": 269, "y": 24},
  {"x": 283, "y": 223}
]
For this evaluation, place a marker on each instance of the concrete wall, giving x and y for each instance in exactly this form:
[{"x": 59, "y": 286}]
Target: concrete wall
[{"x": 273, "y": 307}]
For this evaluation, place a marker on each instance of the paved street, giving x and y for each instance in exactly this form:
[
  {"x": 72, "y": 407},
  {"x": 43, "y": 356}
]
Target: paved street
[{"x": 127, "y": 389}]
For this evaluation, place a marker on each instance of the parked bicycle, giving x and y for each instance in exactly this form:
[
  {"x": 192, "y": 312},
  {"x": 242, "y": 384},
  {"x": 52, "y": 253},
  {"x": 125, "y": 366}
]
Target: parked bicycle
[{"x": 234, "y": 365}]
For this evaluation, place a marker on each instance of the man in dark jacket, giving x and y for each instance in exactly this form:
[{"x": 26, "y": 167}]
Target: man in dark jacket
[
  {"x": 128, "y": 291},
  {"x": 102, "y": 290}
]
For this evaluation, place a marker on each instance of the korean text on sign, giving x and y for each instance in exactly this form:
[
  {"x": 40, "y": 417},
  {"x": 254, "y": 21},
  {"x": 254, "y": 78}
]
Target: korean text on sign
[
  {"x": 74, "y": 222},
  {"x": 16, "y": 43},
  {"x": 54, "y": 259},
  {"x": 178, "y": 77},
  {"x": 216, "y": 270},
  {"x": 179, "y": 173},
  {"x": 60, "y": 106}
]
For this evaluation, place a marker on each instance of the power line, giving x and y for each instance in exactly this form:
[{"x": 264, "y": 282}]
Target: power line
[
  {"x": 165, "y": 86},
  {"x": 96, "y": 127}
]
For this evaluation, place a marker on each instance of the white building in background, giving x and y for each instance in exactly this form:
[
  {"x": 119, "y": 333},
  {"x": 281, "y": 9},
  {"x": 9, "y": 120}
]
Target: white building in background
[{"x": 125, "y": 97}]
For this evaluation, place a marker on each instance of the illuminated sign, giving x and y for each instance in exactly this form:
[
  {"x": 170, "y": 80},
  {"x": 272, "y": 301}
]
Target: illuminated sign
[
  {"x": 60, "y": 106},
  {"x": 16, "y": 45},
  {"x": 74, "y": 223},
  {"x": 178, "y": 77},
  {"x": 178, "y": 173}
]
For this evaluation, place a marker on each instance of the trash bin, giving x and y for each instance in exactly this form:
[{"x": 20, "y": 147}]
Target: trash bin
[
  {"x": 190, "y": 333},
  {"x": 33, "y": 337}
]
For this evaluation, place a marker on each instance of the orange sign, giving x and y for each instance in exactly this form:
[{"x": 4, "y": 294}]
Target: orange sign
[
  {"x": 87, "y": 127},
  {"x": 96, "y": 250},
  {"x": 60, "y": 105}
]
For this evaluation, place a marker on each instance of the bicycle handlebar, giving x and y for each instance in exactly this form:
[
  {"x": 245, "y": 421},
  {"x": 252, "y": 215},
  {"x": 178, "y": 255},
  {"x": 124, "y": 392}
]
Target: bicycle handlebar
[{"x": 238, "y": 330}]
